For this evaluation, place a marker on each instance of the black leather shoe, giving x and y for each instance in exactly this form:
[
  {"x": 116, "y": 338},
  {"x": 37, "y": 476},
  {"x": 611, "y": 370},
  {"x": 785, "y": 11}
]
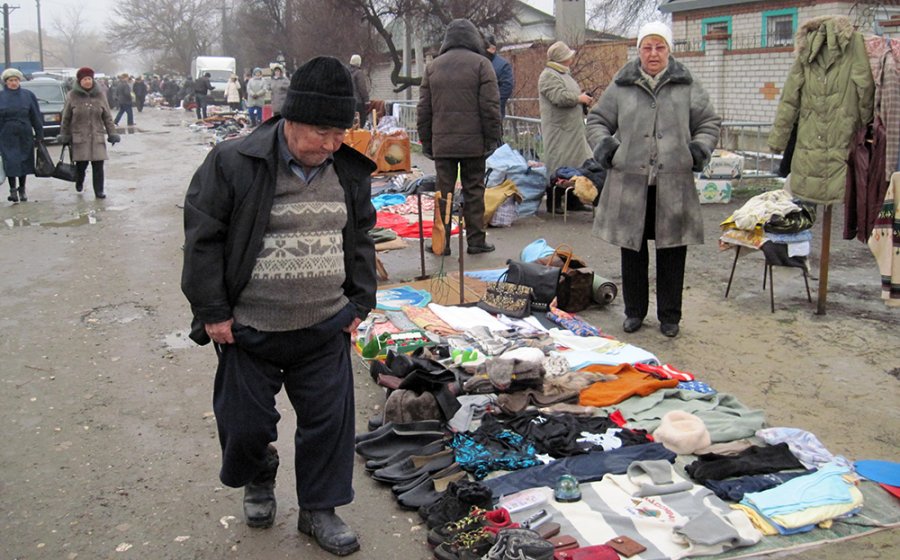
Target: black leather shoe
[
  {"x": 79, "y": 188},
  {"x": 669, "y": 329},
  {"x": 99, "y": 194},
  {"x": 475, "y": 249},
  {"x": 329, "y": 530},
  {"x": 632, "y": 324},
  {"x": 259, "y": 495}
]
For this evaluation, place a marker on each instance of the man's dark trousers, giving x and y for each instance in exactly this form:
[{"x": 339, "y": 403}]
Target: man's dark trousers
[
  {"x": 125, "y": 109},
  {"x": 202, "y": 102},
  {"x": 471, "y": 175},
  {"x": 313, "y": 365}
]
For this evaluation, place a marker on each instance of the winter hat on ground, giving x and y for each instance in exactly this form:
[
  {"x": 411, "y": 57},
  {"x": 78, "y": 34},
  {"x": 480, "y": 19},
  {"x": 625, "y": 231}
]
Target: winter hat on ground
[
  {"x": 682, "y": 432},
  {"x": 355, "y": 60},
  {"x": 11, "y": 73},
  {"x": 559, "y": 52},
  {"x": 657, "y": 28},
  {"x": 84, "y": 72},
  {"x": 404, "y": 406},
  {"x": 321, "y": 93}
]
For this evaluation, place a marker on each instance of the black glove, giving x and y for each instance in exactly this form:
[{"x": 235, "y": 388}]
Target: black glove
[
  {"x": 114, "y": 139},
  {"x": 38, "y": 142},
  {"x": 699, "y": 155},
  {"x": 606, "y": 151},
  {"x": 64, "y": 139}
]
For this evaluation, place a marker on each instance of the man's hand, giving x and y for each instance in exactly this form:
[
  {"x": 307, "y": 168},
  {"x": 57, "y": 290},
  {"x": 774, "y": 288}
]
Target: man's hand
[
  {"x": 351, "y": 328},
  {"x": 220, "y": 333}
]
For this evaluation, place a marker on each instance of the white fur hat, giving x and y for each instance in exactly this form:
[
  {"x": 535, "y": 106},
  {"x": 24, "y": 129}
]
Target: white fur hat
[
  {"x": 657, "y": 28},
  {"x": 682, "y": 432}
]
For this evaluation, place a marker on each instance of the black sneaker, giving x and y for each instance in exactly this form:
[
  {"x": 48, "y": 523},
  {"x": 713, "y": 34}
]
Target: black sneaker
[{"x": 456, "y": 503}]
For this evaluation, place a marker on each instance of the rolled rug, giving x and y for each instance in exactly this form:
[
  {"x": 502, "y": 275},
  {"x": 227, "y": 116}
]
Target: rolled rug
[{"x": 604, "y": 291}]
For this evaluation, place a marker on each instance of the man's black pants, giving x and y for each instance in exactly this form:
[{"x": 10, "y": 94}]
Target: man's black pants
[
  {"x": 471, "y": 175},
  {"x": 313, "y": 365}
]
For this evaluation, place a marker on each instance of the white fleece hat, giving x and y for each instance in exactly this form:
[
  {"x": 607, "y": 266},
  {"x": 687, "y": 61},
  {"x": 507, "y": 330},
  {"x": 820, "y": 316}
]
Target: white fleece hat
[
  {"x": 682, "y": 432},
  {"x": 355, "y": 60},
  {"x": 657, "y": 28}
]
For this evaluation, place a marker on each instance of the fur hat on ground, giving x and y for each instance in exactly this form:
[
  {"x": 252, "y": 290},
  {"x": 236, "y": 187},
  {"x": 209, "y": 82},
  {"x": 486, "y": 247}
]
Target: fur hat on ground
[
  {"x": 12, "y": 73},
  {"x": 404, "y": 406},
  {"x": 682, "y": 432},
  {"x": 559, "y": 52},
  {"x": 657, "y": 28},
  {"x": 321, "y": 93},
  {"x": 84, "y": 72},
  {"x": 355, "y": 60}
]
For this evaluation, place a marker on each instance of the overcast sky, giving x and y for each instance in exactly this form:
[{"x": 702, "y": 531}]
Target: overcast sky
[{"x": 98, "y": 12}]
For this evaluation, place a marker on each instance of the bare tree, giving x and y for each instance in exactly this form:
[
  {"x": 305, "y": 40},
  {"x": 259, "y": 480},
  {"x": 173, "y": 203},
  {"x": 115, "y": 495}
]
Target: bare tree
[
  {"x": 69, "y": 28},
  {"x": 622, "y": 17},
  {"x": 177, "y": 29}
]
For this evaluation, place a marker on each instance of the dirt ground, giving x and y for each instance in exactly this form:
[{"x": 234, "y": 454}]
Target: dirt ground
[{"x": 109, "y": 449}]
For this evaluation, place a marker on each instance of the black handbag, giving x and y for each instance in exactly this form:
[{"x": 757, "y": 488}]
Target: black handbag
[
  {"x": 65, "y": 170},
  {"x": 513, "y": 300},
  {"x": 543, "y": 280},
  {"x": 43, "y": 163}
]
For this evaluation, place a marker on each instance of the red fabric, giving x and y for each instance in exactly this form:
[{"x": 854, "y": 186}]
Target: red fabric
[
  {"x": 596, "y": 552},
  {"x": 388, "y": 220},
  {"x": 412, "y": 230},
  {"x": 618, "y": 418},
  {"x": 895, "y": 490}
]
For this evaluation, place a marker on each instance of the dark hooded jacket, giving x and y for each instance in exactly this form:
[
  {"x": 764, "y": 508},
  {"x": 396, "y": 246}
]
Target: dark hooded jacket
[
  {"x": 459, "y": 102},
  {"x": 227, "y": 209}
]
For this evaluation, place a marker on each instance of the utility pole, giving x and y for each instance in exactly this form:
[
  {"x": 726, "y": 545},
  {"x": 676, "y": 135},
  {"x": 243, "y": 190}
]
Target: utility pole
[
  {"x": 40, "y": 34},
  {"x": 224, "y": 44},
  {"x": 7, "y": 58}
]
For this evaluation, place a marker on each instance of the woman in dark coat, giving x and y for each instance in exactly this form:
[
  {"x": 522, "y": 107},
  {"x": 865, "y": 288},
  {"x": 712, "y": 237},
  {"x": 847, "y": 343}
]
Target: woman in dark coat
[
  {"x": 21, "y": 129},
  {"x": 86, "y": 120}
]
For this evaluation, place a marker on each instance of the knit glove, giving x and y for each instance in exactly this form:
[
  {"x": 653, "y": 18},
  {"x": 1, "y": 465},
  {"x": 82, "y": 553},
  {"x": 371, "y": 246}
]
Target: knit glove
[
  {"x": 114, "y": 139},
  {"x": 64, "y": 139}
]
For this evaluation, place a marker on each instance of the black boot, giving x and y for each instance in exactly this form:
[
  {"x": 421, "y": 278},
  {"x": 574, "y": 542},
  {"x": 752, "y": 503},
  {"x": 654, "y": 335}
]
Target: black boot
[
  {"x": 329, "y": 530},
  {"x": 13, "y": 195},
  {"x": 22, "y": 197},
  {"x": 259, "y": 495},
  {"x": 99, "y": 193}
]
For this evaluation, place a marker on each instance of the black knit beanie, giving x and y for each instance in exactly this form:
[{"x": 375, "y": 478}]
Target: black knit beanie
[{"x": 321, "y": 93}]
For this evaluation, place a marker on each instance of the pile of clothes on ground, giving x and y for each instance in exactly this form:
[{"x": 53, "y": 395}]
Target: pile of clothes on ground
[
  {"x": 223, "y": 126},
  {"x": 542, "y": 438}
]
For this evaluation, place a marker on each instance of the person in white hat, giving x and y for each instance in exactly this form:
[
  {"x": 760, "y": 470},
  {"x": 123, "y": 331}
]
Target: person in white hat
[
  {"x": 361, "y": 88},
  {"x": 21, "y": 129},
  {"x": 667, "y": 127}
]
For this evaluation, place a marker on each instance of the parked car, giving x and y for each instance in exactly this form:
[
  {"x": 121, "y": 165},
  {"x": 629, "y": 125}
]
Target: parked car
[{"x": 51, "y": 96}]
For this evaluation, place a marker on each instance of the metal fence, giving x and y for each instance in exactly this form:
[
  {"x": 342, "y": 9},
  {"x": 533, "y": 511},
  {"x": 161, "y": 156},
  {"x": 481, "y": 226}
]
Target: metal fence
[
  {"x": 738, "y": 42},
  {"x": 524, "y": 134}
]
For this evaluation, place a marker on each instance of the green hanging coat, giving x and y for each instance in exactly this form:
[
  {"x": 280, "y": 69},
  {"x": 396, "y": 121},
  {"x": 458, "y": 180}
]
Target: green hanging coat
[{"x": 829, "y": 94}]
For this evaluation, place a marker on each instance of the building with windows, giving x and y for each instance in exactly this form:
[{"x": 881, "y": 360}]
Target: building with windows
[{"x": 741, "y": 50}]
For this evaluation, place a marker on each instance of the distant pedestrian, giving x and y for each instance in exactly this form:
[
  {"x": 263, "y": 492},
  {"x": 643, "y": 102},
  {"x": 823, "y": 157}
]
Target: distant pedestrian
[
  {"x": 233, "y": 93},
  {"x": 202, "y": 87},
  {"x": 21, "y": 129},
  {"x": 123, "y": 97},
  {"x": 361, "y": 88},
  {"x": 279, "y": 87},
  {"x": 86, "y": 117},
  {"x": 458, "y": 119},
  {"x": 110, "y": 91},
  {"x": 140, "y": 93},
  {"x": 169, "y": 88},
  {"x": 506, "y": 80},
  {"x": 256, "y": 97}
]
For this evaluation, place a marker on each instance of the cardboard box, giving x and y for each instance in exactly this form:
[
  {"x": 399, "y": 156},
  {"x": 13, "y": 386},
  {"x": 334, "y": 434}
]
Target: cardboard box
[
  {"x": 712, "y": 191},
  {"x": 723, "y": 165}
]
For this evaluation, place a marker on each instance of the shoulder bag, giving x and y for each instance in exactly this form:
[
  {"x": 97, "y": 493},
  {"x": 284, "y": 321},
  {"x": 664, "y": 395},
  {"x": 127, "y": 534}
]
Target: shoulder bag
[
  {"x": 43, "y": 163},
  {"x": 65, "y": 170},
  {"x": 543, "y": 280}
]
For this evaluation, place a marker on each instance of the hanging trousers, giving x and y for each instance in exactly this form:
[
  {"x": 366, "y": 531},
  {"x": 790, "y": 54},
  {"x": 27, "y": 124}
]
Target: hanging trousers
[
  {"x": 669, "y": 273},
  {"x": 313, "y": 365},
  {"x": 471, "y": 175}
]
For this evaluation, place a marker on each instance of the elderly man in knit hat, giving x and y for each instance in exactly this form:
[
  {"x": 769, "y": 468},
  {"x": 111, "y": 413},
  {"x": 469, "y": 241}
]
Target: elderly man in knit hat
[
  {"x": 561, "y": 101},
  {"x": 279, "y": 269},
  {"x": 667, "y": 127}
]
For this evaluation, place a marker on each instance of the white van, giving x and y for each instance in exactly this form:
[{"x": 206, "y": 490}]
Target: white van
[{"x": 220, "y": 69}]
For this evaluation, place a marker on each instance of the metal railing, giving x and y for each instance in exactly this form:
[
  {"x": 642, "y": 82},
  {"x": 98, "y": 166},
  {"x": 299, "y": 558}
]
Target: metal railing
[
  {"x": 746, "y": 138},
  {"x": 749, "y": 139},
  {"x": 521, "y": 133}
]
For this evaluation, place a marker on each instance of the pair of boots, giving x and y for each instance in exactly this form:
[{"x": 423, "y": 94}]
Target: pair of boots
[
  {"x": 79, "y": 187},
  {"x": 17, "y": 195},
  {"x": 329, "y": 530}
]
